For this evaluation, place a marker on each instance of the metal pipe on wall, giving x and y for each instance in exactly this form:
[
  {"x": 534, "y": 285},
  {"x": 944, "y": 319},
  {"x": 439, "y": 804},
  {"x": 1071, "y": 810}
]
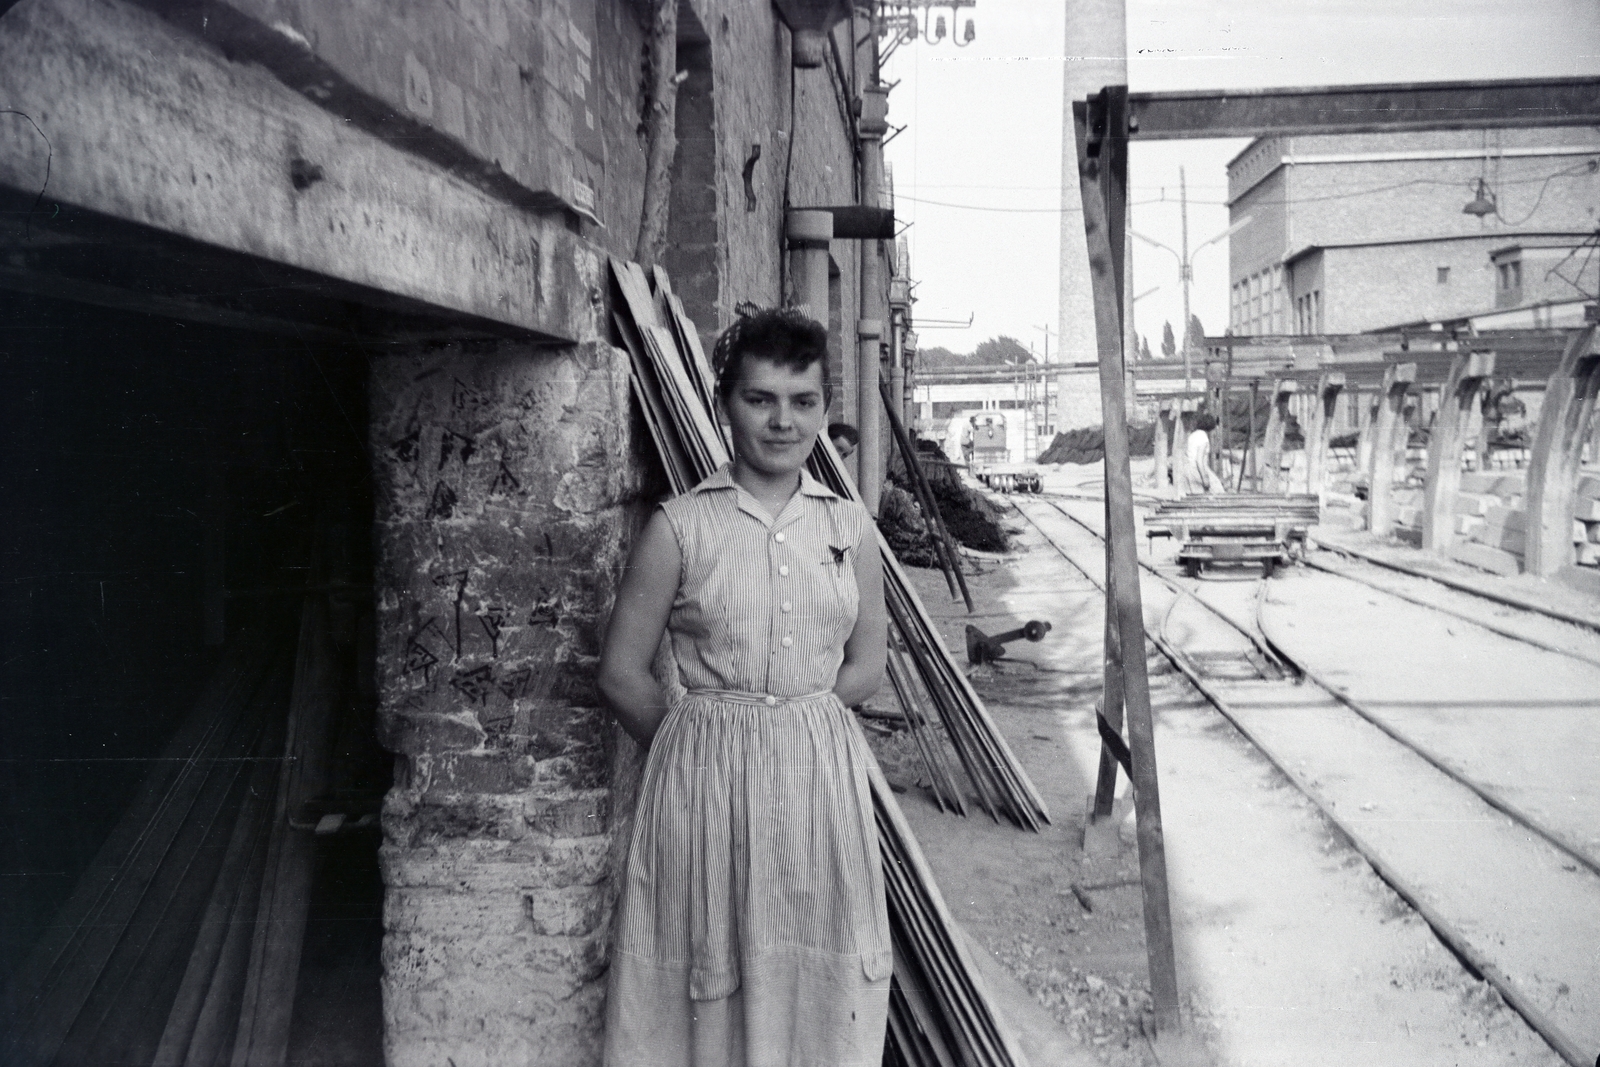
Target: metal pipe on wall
[{"x": 871, "y": 127}]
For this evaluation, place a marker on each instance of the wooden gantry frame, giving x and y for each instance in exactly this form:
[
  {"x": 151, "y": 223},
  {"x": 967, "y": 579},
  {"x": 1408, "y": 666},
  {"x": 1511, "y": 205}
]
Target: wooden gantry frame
[{"x": 1103, "y": 125}]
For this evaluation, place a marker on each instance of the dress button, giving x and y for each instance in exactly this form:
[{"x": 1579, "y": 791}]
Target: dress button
[
  {"x": 778, "y": 537},
  {"x": 787, "y": 642},
  {"x": 787, "y": 606},
  {"x": 783, "y": 571},
  {"x": 771, "y": 700}
]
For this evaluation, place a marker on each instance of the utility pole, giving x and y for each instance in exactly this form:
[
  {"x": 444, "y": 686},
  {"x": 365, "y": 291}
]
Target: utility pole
[
  {"x": 1044, "y": 382},
  {"x": 1185, "y": 269}
]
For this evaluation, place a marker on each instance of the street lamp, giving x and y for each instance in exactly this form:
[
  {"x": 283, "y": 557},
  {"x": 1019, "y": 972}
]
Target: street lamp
[{"x": 1186, "y": 273}]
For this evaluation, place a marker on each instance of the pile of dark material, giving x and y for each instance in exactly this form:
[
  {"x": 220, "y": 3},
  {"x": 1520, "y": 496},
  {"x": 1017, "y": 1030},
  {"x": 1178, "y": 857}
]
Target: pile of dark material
[
  {"x": 901, "y": 523},
  {"x": 1088, "y": 445}
]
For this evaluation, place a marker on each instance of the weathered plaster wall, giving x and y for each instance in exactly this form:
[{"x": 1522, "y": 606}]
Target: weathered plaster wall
[{"x": 506, "y": 482}]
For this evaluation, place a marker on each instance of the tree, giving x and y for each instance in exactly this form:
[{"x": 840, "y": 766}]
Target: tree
[
  {"x": 940, "y": 358},
  {"x": 1197, "y": 335},
  {"x": 1169, "y": 344},
  {"x": 1144, "y": 349},
  {"x": 1001, "y": 349}
]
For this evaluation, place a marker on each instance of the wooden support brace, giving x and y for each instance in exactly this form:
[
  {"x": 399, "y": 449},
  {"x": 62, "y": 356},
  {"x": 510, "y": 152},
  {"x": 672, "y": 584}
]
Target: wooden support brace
[
  {"x": 1102, "y": 172},
  {"x": 1283, "y": 393},
  {"x": 1320, "y": 432},
  {"x": 1388, "y": 446},
  {"x": 1457, "y": 397},
  {"x": 1564, "y": 421}
]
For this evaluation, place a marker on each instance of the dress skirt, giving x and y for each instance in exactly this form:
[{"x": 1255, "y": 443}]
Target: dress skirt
[{"x": 752, "y": 929}]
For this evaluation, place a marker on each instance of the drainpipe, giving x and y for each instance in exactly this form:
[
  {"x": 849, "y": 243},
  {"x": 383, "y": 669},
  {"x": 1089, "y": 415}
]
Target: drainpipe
[
  {"x": 809, "y": 233},
  {"x": 871, "y": 127}
]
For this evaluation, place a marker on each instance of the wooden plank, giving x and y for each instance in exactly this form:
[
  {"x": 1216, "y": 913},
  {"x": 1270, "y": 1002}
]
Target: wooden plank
[
  {"x": 62, "y": 975},
  {"x": 123, "y": 1014},
  {"x": 200, "y": 970},
  {"x": 266, "y": 1013},
  {"x": 1103, "y": 182}
]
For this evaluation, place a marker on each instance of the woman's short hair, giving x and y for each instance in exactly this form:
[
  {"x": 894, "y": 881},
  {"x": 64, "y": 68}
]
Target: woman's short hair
[
  {"x": 785, "y": 336},
  {"x": 837, "y": 430},
  {"x": 1206, "y": 422}
]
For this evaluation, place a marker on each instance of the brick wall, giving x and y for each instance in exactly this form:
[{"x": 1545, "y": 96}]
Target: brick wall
[
  {"x": 503, "y": 511},
  {"x": 510, "y": 480}
]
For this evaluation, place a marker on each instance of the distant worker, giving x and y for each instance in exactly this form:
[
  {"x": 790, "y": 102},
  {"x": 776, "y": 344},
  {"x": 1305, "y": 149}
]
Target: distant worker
[
  {"x": 1194, "y": 474},
  {"x": 844, "y": 438}
]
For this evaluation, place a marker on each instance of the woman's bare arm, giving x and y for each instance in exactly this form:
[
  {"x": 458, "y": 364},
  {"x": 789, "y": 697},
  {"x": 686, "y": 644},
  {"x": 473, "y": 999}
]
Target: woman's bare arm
[
  {"x": 644, "y": 601},
  {"x": 862, "y": 670}
]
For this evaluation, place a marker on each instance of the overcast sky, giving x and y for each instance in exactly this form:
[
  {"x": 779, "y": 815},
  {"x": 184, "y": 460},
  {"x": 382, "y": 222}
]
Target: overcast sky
[{"x": 983, "y": 131}]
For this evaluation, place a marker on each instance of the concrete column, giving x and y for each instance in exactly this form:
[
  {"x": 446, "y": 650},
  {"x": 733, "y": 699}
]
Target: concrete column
[
  {"x": 506, "y": 484},
  {"x": 1564, "y": 420},
  {"x": 809, "y": 234},
  {"x": 1320, "y": 432},
  {"x": 1388, "y": 448},
  {"x": 1457, "y": 398},
  {"x": 1096, "y": 48}
]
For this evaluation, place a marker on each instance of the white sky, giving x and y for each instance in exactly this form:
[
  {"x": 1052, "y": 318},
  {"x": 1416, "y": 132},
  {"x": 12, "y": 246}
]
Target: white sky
[{"x": 984, "y": 130}]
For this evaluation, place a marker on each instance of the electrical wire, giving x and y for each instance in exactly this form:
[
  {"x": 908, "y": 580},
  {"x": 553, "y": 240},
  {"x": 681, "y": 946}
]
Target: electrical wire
[{"x": 1587, "y": 166}]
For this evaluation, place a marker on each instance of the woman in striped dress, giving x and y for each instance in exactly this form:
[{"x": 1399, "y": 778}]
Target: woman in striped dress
[{"x": 751, "y": 927}]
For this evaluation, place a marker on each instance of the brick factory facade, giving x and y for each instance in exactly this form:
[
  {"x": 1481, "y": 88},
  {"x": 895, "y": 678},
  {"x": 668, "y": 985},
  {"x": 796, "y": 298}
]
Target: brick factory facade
[
  {"x": 1354, "y": 233},
  {"x": 436, "y": 188}
]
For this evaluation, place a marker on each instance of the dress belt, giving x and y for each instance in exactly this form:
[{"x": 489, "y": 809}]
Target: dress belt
[{"x": 763, "y": 699}]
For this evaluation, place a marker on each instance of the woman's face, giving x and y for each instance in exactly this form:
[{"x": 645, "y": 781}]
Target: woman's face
[{"x": 775, "y": 413}]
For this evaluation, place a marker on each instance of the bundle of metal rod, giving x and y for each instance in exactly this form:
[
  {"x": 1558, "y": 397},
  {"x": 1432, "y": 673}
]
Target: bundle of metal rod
[
  {"x": 939, "y": 1013},
  {"x": 1002, "y": 786}
]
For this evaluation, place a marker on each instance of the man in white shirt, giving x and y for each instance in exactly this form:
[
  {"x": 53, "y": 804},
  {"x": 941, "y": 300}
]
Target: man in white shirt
[{"x": 1194, "y": 474}]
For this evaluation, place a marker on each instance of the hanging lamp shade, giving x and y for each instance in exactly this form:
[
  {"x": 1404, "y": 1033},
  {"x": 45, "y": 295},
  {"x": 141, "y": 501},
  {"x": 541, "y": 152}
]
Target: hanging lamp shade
[
  {"x": 809, "y": 22},
  {"x": 1482, "y": 204}
]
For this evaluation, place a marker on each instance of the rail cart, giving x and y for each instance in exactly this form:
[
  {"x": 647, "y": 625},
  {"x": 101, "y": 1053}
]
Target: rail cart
[{"x": 1236, "y": 528}]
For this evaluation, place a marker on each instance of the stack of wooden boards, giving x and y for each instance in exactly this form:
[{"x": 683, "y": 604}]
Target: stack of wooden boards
[
  {"x": 181, "y": 943},
  {"x": 1490, "y": 522},
  {"x": 939, "y": 1011}
]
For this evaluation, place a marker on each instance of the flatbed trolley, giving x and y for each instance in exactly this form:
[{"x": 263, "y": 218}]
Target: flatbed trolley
[{"x": 1236, "y": 528}]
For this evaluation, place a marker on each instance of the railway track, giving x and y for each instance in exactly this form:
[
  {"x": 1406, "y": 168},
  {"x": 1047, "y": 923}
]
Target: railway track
[{"x": 1220, "y": 636}]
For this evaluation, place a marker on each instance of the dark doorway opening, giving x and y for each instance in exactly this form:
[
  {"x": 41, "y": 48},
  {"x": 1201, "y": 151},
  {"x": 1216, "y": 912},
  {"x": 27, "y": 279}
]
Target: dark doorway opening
[{"x": 188, "y": 757}]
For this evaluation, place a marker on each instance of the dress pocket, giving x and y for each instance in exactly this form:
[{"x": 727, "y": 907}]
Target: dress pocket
[{"x": 877, "y": 965}]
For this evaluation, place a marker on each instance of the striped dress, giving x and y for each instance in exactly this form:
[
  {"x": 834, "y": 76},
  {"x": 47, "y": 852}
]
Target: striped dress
[{"x": 752, "y": 928}]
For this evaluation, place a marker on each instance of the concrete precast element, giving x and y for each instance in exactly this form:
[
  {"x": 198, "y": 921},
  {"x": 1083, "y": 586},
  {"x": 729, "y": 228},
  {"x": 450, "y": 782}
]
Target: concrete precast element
[
  {"x": 1457, "y": 399},
  {"x": 1329, "y": 385},
  {"x": 1446, "y": 884},
  {"x": 1564, "y": 421},
  {"x": 1386, "y": 452}
]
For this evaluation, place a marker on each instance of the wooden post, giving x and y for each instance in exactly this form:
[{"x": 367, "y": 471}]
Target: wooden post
[
  {"x": 661, "y": 140},
  {"x": 1320, "y": 432},
  {"x": 1564, "y": 419},
  {"x": 1457, "y": 397},
  {"x": 1388, "y": 439},
  {"x": 1283, "y": 392},
  {"x": 869, "y": 454},
  {"x": 1103, "y": 181}
]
